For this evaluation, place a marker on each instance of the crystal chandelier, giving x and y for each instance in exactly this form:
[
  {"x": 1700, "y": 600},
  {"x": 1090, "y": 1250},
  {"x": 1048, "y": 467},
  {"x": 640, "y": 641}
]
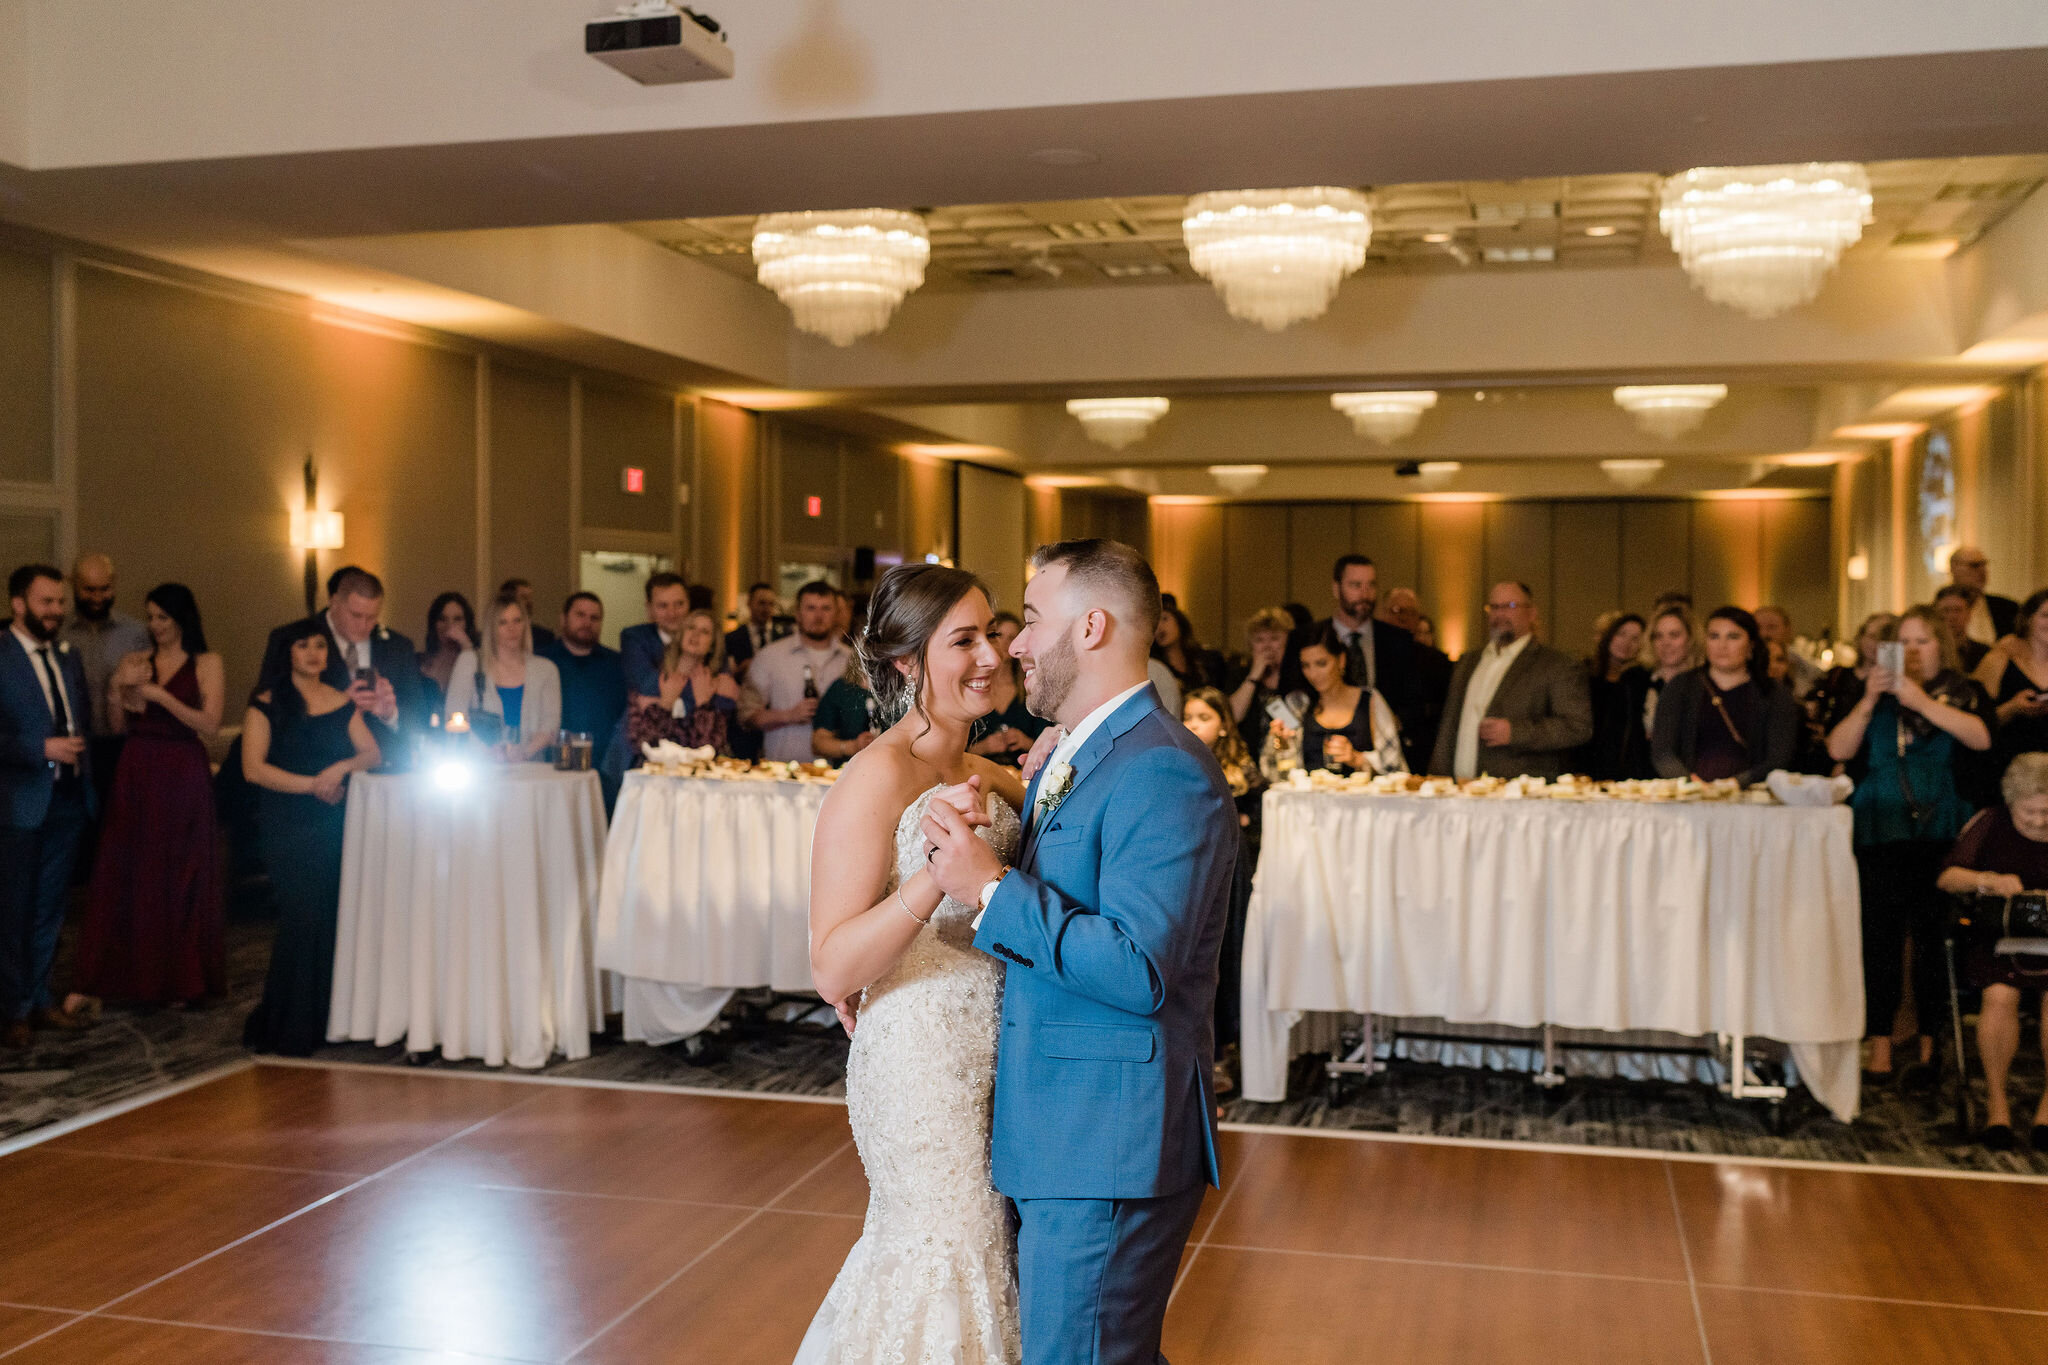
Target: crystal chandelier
[
  {"x": 1760, "y": 239},
  {"x": 1116, "y": 422},
  {"x": 1386, "y": 417},
  {"x": 1669, "y": 410},
  {"x": 1277, "y": 256},
  {"x": 1631, "y": 473},
  {"x": 841, "y": 274}
]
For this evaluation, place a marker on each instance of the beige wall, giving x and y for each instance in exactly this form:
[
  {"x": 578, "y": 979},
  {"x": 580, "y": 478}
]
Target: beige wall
[
  {"x": 1580, "y": 558},
  {"x": 992, "y": 531},
  {"x": 173, "y": 432}
]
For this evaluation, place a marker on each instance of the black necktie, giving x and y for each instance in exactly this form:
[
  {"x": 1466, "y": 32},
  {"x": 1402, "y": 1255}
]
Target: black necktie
[
  {"x": 57, "y": 706},
  {"x": 1355, "y": 667}
]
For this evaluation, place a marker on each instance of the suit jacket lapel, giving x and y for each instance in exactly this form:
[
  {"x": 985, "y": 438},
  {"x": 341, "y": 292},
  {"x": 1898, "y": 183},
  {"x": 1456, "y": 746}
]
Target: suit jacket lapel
[
  {"x": 1093, "y": 750},
  {"x": 23, "y": 671},
  {"x": 1517, "y": 674}
]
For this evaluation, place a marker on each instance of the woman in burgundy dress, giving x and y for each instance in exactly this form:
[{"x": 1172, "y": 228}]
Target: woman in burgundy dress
[{"x": 153, "y": 913}]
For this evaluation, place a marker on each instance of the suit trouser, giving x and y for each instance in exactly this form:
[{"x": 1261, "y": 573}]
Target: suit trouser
[
  {"x": 35, "y": 887},
  {"x": 1094, "y": 1275}
]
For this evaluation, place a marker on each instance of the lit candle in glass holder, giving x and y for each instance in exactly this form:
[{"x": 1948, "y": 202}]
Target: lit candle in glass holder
[{"x": 458, "y": 724}]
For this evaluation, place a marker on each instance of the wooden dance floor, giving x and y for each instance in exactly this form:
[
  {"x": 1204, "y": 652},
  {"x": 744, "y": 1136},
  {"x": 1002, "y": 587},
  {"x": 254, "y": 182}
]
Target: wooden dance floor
[{"x": 294, "y": 1215}]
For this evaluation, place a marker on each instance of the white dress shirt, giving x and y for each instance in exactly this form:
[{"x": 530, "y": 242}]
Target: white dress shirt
[
  {"x": 1493, "y": 665},
  {"x": 1063, "y": 752},
  {"x": 1070, "y": 743},
  {"x": 43, "y": 679}
]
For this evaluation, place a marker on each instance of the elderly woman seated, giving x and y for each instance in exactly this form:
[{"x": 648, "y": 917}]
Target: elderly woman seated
[{"x": 2002, "y": 852}]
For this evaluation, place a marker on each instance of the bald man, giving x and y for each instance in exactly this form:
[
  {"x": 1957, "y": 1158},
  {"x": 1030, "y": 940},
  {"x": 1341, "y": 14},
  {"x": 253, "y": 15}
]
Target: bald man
[
  {"x": 102, "y": 636},
  {"x": 1991, "y": 616}
]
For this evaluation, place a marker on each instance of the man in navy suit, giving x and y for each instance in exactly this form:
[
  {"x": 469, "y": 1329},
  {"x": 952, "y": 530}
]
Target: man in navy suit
[
  {"x": 1109, "y": 926},
  {"x": 1376, "y": 655},
  {"x": 46, "y": 802}
]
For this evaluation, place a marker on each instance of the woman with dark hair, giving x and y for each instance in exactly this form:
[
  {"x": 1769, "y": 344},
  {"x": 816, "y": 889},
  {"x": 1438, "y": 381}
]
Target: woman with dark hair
[
  {"x": 451, "y": 629},
  {"x": 1206, "y": 713},
  {"x": 1726, "y": 718},
  {"x": 301, "y": 741},
  {"x": 153, "y": 910},
  {"x": 1174, "y": 644},
  {"x": 920, "y": 1072},
  {"x": 1619, "y": 747},
  {"x": 2016, "y": 676},
  {"x": 1914, "y": 734},
  {"x": 1337, "y": 732}
]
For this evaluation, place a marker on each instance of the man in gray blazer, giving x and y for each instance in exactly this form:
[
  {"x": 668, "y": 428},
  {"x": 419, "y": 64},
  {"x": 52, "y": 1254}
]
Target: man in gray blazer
[{"x": 1517, "y": 708}]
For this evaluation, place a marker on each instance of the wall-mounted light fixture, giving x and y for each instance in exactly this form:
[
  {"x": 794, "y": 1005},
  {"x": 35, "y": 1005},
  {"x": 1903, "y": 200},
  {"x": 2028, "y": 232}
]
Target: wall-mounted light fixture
[{"x": 313, "y": 530}]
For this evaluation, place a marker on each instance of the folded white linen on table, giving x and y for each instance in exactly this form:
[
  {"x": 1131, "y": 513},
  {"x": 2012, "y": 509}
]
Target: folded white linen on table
[
  {"x": 1696, "y": 918},
  {"x": 706, "y": 885},
  {"x": 1804, "y": 789},
  {"x": 465, "y": 915}
]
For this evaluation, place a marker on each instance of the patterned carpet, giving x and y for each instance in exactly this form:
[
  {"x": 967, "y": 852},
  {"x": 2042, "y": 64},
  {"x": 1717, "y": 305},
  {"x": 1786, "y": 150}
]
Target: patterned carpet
[{"x": 766, "y": 1048}]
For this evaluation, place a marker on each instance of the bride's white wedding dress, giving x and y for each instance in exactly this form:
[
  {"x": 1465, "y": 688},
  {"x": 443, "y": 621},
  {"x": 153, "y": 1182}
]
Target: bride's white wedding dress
[{"x": 933, "y": 1279}]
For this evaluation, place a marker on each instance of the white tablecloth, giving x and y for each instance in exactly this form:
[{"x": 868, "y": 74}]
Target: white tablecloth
[
  {"x": 466, "y": 914},
  {"x": 1697, "y": 919},
  {"x": 707, "y": 889}
]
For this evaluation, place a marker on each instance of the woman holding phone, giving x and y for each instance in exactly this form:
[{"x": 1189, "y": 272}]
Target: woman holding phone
[{"x": 1913, "y": 733}]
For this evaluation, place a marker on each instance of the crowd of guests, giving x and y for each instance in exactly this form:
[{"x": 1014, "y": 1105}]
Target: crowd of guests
[{"x": 1939, "y": 714}]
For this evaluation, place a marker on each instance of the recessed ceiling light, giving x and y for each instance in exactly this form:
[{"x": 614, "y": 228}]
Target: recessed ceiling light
[
  {"x": 1600, "y": 230},
  {"x": 1064, "y": 156},
  {"x": 1436, "y": 236}
]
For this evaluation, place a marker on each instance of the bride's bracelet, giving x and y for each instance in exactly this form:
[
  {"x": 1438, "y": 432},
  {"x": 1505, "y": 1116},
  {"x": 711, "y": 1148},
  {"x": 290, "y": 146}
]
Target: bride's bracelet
[{"x": 921, "y": 919}]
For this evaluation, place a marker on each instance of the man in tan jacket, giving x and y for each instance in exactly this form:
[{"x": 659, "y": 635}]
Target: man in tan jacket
[{"x": 1517, "y": 708}]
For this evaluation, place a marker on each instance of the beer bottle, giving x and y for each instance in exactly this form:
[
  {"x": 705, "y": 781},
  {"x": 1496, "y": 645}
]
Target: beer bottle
[{"x": 810, "y": 684}]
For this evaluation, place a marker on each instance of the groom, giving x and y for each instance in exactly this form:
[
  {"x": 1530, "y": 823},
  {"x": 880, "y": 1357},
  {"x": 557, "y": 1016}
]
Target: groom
[{"x": 1109, "y": 925}]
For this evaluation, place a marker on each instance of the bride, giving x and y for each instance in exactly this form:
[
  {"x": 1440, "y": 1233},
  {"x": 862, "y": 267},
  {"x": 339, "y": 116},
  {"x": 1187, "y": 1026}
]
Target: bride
[{"x": 933, "y": 1278}]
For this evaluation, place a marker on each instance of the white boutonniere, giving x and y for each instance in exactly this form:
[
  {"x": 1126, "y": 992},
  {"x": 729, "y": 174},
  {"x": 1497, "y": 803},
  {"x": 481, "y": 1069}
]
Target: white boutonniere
[
  {"x": 63, "y": 646},
  {"x": 383, "y": 632},
  {"x": 1059, "y": 780}
]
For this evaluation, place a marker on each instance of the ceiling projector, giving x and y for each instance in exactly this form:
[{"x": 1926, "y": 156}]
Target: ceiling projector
[{"x": 658, "y": 42}]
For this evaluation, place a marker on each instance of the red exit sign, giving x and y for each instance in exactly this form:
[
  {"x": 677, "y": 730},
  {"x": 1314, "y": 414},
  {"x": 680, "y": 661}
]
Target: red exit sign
[
  {"x": 814, "y": 506},
  {"x": 633, "y": 480}
]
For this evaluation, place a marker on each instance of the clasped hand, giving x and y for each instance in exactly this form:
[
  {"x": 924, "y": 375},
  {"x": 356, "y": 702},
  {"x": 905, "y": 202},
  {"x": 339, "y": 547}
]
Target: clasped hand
[{"x": 961, "y": 862}]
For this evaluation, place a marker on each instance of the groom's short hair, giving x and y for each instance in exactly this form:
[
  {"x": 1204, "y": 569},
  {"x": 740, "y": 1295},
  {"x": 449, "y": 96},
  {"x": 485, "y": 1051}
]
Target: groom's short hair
[{"x": 1112, "y": 568}]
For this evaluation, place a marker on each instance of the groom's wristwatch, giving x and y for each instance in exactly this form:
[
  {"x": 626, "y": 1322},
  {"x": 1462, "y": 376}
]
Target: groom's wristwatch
[{"x": 988, "y": 891}]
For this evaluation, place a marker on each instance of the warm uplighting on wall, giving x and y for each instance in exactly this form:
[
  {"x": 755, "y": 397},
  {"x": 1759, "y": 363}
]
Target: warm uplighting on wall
[
  {"x": 316, "y": 530},
  {"x": 1810, "y": 459},
  {"x": 1182, "y": 500},
  {"x": 1878, "y": 431},
  {"x": 1932, "y": 399},
  {"x": 2010, "y": 351},
  {"x": 950, "y": 450}
]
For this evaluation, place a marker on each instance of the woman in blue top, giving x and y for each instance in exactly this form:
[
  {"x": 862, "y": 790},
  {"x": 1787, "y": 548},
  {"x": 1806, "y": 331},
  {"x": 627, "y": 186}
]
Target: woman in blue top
[
  {"x": 1914, "y": 733},
  {"x": 507, "y": 680}
]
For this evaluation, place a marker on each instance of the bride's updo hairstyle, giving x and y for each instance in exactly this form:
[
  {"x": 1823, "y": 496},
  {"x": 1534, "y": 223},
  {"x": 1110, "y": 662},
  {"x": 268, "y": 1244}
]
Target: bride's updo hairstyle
[{"x": 910, "y": 604}]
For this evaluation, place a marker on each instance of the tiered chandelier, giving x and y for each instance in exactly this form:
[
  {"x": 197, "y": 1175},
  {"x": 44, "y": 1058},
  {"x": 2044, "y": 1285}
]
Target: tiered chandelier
[
  {"x": 1116, "y": 422},
  {"x": 1386, "y": 417},
  {"x": 841, "y": 274},
  {"x": 1669, "y": 411},
  {"x": 1760, "y": 239},
  {"x": 1277, "y": 256}
]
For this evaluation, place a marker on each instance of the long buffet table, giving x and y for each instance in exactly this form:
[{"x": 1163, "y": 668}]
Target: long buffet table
[
  {"x": 706, "y": 890},
  {"x": 1696, "y": 918}
]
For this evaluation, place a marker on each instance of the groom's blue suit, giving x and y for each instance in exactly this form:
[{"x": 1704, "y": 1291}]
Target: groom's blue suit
[{"x": 1110, "y": 927}]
